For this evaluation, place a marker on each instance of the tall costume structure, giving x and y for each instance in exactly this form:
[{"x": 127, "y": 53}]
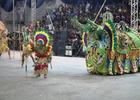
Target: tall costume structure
[{"x": 109, "y": 50}]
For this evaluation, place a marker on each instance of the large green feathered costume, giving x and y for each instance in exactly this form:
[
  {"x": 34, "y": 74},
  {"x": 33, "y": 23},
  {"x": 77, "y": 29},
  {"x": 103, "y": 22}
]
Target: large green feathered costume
[{"x": 108, "y": 50}]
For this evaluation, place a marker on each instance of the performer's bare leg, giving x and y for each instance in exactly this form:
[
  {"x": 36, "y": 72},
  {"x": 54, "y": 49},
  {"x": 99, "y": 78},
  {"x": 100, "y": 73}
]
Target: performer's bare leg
[
  {"x": 0, "y": 54},
  {"x": 9, "y": 54},
  {"x": 22, "y": 60},
  {"x": 32, "y": 58}
]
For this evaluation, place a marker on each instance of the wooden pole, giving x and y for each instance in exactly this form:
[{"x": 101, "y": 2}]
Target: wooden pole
[{"x": 100, "y": 11}]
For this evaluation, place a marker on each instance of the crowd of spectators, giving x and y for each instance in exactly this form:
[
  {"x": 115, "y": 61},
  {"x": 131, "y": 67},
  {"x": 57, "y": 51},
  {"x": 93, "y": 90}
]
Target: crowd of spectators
[
  {"x": 61, "y": 15},
  {"x": 61, "y": 18}
]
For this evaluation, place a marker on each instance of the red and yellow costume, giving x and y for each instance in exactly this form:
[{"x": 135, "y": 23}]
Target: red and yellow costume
[
  {"x": 43, "y": 52},
  {"x": 42, "y": 56}
]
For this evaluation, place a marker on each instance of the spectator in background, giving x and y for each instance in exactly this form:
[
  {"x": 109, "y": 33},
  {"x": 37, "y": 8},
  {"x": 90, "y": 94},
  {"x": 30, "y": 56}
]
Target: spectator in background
[{"x": 61, "y": 16}]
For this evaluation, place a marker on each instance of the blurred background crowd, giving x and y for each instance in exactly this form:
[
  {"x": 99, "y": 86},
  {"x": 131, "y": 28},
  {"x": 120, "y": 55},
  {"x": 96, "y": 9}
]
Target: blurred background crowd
[{"x": 64, "y": 33}]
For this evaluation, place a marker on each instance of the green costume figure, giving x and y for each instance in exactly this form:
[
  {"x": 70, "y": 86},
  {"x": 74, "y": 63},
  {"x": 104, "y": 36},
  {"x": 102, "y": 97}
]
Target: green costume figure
[
  {"x": 95, "y": 56},
  {"x": 109, "y": 50},
  {"x": 107, "y": 15}
]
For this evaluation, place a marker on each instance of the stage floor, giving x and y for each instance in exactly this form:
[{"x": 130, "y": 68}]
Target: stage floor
[{"x": 67, "y": 80}]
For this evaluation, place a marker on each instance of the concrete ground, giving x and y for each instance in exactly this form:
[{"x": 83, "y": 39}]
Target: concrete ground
[{"x": 67, "y": 80}]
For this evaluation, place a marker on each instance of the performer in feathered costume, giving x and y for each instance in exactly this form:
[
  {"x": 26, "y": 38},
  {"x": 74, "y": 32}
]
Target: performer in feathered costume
[
  {"x": 109, "y": 50},
  {"x": 43, "y": 51},
  {"x": 27, "y": 44},
  {"x": 3, "y": 39}
]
